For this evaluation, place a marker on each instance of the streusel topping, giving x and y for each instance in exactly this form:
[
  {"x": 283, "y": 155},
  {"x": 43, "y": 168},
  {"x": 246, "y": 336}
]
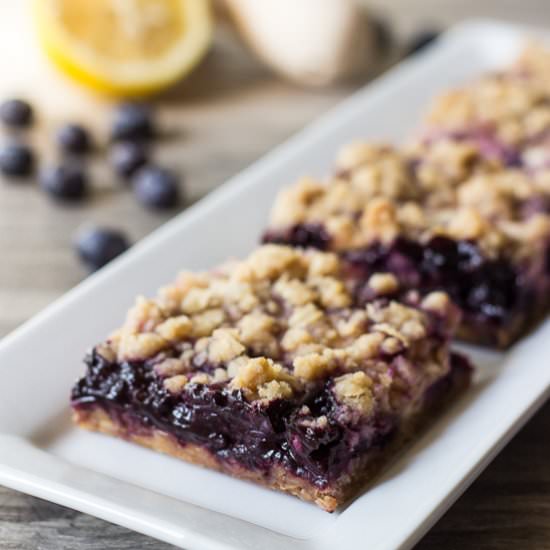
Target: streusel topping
[
  {"x": 479, "y": 171},
  {"x": 276, "y": 322},
  {"x": 510, "y": 105},
  {"x": 488, "y": 205}
]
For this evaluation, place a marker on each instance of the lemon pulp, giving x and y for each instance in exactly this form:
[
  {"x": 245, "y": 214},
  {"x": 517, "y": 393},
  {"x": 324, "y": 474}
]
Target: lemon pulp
[{"x": 126, "y": 47}]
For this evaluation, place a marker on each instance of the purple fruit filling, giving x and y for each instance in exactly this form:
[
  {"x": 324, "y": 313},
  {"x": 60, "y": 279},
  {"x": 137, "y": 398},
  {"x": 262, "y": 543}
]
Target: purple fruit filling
[
  {"x": 255, "y": 435},
  {"x": 477, "y": 285},
  {"x": 311, "y": 235},
  {"x": 490, "y": 290}
]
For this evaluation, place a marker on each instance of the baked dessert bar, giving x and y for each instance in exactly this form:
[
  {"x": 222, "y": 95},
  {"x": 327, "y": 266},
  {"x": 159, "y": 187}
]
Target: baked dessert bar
[
  {"x": 438, "y": 216},
  {"x": 282, "y": 369},
  {"x": 463, "y": 207}
]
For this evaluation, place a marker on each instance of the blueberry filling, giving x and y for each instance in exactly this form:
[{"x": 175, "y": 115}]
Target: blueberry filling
[
  {"x": 487, "y": 287},
  {"x": 301, "y": 235},
  {"x": 256, "y": 434}
]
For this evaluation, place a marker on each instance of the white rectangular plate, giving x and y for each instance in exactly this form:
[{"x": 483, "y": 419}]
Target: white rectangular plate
[{"x": 42, "y": 454}]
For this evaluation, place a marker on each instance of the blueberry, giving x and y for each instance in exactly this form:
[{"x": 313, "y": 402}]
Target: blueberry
[
  {"x": 97, "y": 246},
  {"x": 65, "y": 181},
  {"x": 73, "y": 138},
  {"x": 16, "y": 160},
  {"x": 16, "y": 113},
  {"x": 132, "y": 121},
  {"x": 420, "y": 40},
  {"x": 127, "y": 157},
  {"x": 156, "y": 187}
]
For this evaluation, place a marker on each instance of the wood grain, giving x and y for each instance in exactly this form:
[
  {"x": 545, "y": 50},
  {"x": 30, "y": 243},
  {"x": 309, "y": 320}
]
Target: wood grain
[{"x": 230, "y": 112}]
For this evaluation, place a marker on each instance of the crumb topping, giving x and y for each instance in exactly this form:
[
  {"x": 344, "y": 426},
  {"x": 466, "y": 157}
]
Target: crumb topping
[
  {"x": 478, "y": 169},
  {"x": 355, "y": 391},
  {"x": 175, "y": 384},
  {"x": 511, "y": 104},
  {"x": 383, "y": 283},
  {"x": 273, "y": 324}
]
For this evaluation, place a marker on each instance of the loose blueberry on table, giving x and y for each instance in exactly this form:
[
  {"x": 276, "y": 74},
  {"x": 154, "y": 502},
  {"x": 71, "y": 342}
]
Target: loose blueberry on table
[
  {"x": 16, "y": 160},
  {"x": 132, "y": 121},
  {"x": 127, "y": 157},
  {"x": 66, "y": 182},
  {"x": 16, "y": 113},
  {"x": 269, "y": 370},
  {"x": 156, "y": 187},
  {"x": 74, "y": 138},
  {"x": 97, "y": 246}
]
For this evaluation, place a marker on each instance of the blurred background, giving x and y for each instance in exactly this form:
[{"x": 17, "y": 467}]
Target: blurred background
[
  {"x": 129, "y": 111},
  {"x": 249, "y": 77}
]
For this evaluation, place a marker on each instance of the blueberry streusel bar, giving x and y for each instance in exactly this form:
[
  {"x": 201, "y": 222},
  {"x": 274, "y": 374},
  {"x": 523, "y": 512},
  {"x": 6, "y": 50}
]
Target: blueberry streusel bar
[
  {"x": 465, "y": 207},
  {"x": 439, "y": 217},
  {"x": 284, "y": 369}
]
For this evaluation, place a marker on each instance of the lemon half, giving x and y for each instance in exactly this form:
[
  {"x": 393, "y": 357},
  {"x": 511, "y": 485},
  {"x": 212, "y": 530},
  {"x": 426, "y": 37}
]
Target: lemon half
[{"x": 125, "y": 48}]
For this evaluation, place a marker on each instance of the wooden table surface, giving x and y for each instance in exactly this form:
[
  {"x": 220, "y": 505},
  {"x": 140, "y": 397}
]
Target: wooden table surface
[{"x": 227, "y": 114}]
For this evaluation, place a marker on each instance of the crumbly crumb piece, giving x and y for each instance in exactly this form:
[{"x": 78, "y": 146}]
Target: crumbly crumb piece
[
  {"x": 140, "y": 346},
  {"x": 275, "y": 389},
  {"x": 294, "y": 291},
  {"x": 354, "y": 325},
  {"x": 355, "y": 391},
  {"x": 170, "y": 367},
  {"x": 383, "y": 283},
  {"x": 436, "y": 301},
  {"x": 323, "y": 264},
  {"x": 305, "y": 315},
  {"x": 175, "y": 384},
  {"x": 200, "y": 378},
  {"x": 256, "y": 330},
  {"x": 367, "y": 346},
  {"x": 332, "y": 292},
  {"x": 314, "y": 365},
  {"x": 175, "y": 328},
  {"x": 106, "y": 351},
  {"x": 205, "y": 322},
  {"x": 224, "y": 345},
  {"x": 254, "y": 373},
  {"x": 295, "y": 338}
]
